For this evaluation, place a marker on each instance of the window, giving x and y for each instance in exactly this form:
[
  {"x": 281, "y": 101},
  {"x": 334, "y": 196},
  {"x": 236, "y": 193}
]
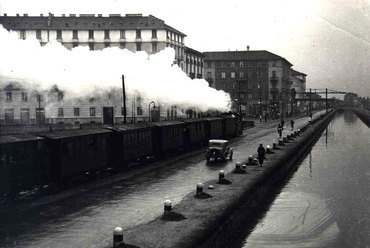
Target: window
[
  {"x": 241, "y": 74},
  {"x": 60, "y": 96},
  {"x": 60, "y": 112},
  {"x": 138, "y": 46},
  {"x": 38, "y": 34},
  {"x": 76, "y": 111},
  {"x": 138, "y": 34},
  {"x": 91, "y": 34},
  {"x": 106, "y": 34},
  {"x": 122, "y": 34},
  {"x": 223, "y": 74},
  {"x": 209, "y": 74},
  {"x": 232, "y": 64},
  {"x": 232, "y": 74},
  {"x": 91, "y": 46},
  {"x": 8, "y": 96},
  {"x": 139, "y": 111},
  {"x": 241, "y": 64},
  {"x": 92, "y": 111},
  {"x": 274, "y": 73},
  {"x": 154, "y": 47},
  {"x": 154, "y": 33},
  {"x": 22, "y": 34},
  {"x": 24, "y": 96},
  {"x": 40, "y": 98},
  {"x": 59, "y": 34},
  {"x": 75, "y": 34},
  {"x": 106, "y": 44}
]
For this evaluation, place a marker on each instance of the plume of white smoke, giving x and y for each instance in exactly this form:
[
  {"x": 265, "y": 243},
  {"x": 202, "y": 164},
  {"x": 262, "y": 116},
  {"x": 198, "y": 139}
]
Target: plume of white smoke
[{"x": 80, "y": 72}]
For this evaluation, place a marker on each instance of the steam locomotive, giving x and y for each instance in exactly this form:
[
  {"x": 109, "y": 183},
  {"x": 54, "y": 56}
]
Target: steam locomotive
[{"x": 29, "y": 160}]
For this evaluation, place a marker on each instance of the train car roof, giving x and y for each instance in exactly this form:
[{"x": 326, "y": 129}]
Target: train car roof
[
  {"x": 73, "y": 133},
  {"x": 18, "y": 138},
  {"x": 229, "y": 116},
  {"x": 167, "y": 123},
  {"x": 128, "y": 127},
  {"x": 213, "y": 118},
  {"x": 193, "y": 120}
]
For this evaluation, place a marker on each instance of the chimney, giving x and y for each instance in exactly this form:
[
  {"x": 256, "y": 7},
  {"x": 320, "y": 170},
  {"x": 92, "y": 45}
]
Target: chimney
[
  {"x": 17, "y": 14},
  {"x": 63, "y": 15},
  {"x": 49, "y": 19},
  {"x": 100, "y": 15},
  {"x": 41, "y": 15},
  {"x": 248, "y": 48},
  {"x": 72, "y": 15},
  {"x": 25, "y": 14},
  {"x": 5, "y": 14}
]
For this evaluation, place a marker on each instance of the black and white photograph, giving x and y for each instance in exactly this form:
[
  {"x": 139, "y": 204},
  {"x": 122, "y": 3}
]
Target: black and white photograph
[{"x": 184, "y": 124}]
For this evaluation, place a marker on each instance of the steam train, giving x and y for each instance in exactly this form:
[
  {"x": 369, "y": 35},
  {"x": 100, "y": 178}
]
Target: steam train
[{"x": 29, "y": 160}]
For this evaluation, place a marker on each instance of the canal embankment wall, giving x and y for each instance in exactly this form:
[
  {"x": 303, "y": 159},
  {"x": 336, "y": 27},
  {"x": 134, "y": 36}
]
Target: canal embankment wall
[
  {"x": 363, "y": 114},
  {"x": 213, "y": 218}
]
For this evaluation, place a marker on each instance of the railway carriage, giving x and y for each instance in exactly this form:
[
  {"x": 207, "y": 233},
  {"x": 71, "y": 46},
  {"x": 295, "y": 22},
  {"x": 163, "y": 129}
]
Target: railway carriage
[
  {"x": 229, "y": 126},
  {"x": 131, "y": 142},
  {"x": 214, "y": 127},
  {"x": 196, "y": 131},
  {"x": 169, "y": 136},
  {"x": 73, "y": 152},
  {"x": 23, "y": 162}
]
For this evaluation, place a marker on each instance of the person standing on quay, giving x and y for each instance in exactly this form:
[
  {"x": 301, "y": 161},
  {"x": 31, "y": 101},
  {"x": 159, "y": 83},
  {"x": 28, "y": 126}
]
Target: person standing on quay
[
  {"x": 292, "y": 124},
  {"x": 261, "y": 154},
  {"x": 280, "y": 130}
]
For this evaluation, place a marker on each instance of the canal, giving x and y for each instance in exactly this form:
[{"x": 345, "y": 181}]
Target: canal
[{"x": 325, "y": 202}]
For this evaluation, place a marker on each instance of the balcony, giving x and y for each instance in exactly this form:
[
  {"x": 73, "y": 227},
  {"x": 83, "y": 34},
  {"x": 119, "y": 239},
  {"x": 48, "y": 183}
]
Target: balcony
[
  {"x": 274, "y": 90},
  {"x": 274, "y": 79}
]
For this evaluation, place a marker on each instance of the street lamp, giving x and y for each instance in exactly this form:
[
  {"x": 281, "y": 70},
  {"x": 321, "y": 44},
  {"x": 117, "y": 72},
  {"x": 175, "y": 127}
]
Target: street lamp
[
  {"x": 149, "y": 108},
  {"x": 260, "y": 89}
]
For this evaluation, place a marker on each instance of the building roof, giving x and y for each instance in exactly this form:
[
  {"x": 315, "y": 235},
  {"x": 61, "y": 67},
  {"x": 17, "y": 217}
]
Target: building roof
[
  {"x": 85, "y": 22},
  {"x": 244, "y": 55},
  {"x": 191, "y": 50},
  {"x": 297, "y": 73}
]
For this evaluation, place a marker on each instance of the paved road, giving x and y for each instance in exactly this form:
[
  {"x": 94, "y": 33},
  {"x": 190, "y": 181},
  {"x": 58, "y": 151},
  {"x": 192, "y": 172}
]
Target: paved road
[{"x": 86, "y": 216}]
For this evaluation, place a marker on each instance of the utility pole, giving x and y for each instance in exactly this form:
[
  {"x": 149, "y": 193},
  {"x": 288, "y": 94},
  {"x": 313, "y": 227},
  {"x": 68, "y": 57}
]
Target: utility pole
[
  {"x": 124, "y": 99},
  {"x": 326, "y": 100},
  {"x": 309, "y": 106}
]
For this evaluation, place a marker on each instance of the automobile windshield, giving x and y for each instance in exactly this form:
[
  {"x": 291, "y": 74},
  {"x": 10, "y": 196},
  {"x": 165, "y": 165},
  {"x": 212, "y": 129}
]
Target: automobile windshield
[{"x": 212, "y": 144}]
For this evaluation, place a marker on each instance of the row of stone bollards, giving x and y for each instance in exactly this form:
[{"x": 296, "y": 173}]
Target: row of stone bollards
[{"x": 239, "y": 168}]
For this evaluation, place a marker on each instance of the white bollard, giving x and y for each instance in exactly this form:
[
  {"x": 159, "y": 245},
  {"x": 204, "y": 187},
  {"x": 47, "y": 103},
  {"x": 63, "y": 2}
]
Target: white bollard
[
  {"x": 199, "y": 188},
  {"x": 117, "y": 237},
  {"x": 221, "y": 175},
  {"x": 167, "y": 206}
]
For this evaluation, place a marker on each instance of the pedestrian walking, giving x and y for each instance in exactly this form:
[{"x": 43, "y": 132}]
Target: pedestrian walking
[
  {"x": 292, "y": 124},
  {"x": 282, "y": 122},
  {"x": 280, "y": 130},
  {"x": 261, "y": 154}
]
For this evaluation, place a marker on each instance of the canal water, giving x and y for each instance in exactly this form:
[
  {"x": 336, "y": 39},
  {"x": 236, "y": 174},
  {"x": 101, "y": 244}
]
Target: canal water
[{"x": 326, "y": 202}]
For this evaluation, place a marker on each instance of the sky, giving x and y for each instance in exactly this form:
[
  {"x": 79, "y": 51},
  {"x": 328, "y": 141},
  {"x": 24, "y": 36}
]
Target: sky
[{"x": 327, "y": 40}]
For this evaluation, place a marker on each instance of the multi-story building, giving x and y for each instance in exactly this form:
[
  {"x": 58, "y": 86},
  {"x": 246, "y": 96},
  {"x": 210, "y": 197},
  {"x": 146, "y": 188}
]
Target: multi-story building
[
  {"x": 132, "y": 31},
  {"x": 258, "y": 81},
  {"x": 299, "y": 85},
  {"x": 193, "y": 63},
  {"x": 21, "y": 106}
]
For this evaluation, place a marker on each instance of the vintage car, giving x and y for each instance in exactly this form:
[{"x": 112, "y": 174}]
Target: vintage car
[{"x": 219, "y": 149}]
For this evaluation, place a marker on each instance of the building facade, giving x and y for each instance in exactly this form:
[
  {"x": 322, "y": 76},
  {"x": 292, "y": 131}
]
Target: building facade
[
  {"x": 194, "y": 63},
  {"x": 258, "y": 81},
  {"x": 299, "y": 85},
  {"x": 21, "y": 106},
  {"x": 132, "y": 31}
]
